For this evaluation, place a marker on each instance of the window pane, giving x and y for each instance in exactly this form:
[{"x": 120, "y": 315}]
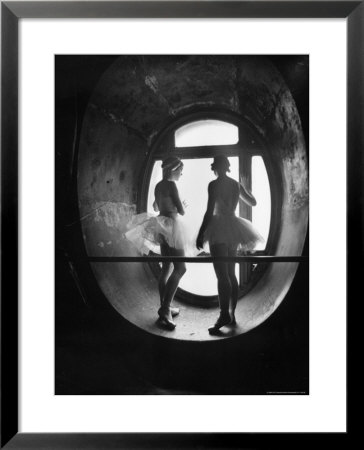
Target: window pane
[
  {"x": 261, "y": 191},
  {"x": 199, "y": 279},
  {"x": 206, "y": 132}
]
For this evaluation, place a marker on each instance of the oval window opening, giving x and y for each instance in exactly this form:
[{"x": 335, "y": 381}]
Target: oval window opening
[
  {"x": 114, "y": 171},
  {"x": 206, "y": 132}
]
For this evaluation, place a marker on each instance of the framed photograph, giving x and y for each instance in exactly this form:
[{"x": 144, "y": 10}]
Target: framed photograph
[{"x": 181, "y": 183}]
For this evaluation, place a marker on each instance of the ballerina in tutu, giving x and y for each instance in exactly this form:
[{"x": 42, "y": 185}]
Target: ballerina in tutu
[
  {"x": 164, "y": 234},
  {"x": 226, "y": 234}
]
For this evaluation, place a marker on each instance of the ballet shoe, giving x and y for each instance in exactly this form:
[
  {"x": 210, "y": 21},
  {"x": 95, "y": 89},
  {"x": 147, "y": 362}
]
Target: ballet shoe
[
  {"x": 164, "y": 319},
  {"x": 174, "y": 311},
  {"x": 224, "y": 319},
  {"x": 166, "y": 323}
]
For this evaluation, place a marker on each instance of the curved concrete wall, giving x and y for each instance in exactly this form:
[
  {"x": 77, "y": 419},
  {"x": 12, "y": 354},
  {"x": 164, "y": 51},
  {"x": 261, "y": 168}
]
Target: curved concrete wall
[{"x": 133, "y": 102}]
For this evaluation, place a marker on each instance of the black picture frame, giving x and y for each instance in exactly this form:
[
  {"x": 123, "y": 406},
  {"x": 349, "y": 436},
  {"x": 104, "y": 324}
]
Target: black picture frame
[{"x": 11, "y": 12}]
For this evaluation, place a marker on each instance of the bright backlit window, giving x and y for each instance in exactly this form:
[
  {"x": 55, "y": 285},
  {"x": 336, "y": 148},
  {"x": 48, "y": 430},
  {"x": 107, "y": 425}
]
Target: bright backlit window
[
  {"x": 218, "y": 137},
  {"x": 206, "y": 132}
]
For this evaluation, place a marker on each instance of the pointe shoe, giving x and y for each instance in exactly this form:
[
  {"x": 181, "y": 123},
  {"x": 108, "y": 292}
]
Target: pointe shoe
[
  {"x": 174, "y": 311},
  {"x": 164, "y": 318},
  {"x": 224, "y": 319}
]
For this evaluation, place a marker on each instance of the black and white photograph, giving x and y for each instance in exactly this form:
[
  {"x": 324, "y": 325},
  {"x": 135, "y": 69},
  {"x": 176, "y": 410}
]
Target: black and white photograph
[{"x": 182, "y": 224}]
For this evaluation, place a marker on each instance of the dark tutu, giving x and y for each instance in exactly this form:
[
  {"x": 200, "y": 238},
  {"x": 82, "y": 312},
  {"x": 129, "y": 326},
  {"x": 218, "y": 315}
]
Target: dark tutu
[
  {"x": 232, "y": 231},
  {"x": 147, "y": 231}
]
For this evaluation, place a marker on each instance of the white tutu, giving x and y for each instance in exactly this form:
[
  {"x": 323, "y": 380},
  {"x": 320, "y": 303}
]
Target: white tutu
[
  {"x": 147, "y": 231},
  {"x": 232, "y": 231}
]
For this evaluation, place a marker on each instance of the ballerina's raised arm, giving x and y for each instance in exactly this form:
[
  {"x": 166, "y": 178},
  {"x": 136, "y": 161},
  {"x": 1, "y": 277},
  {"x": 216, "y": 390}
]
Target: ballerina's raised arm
[{"x": 244, "y": 194}]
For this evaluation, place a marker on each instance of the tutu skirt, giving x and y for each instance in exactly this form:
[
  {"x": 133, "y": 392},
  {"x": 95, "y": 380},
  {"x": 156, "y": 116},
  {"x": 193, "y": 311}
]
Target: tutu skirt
[
  {"x": 232, "y": 231},
  {"x": 147, "y": 232}
]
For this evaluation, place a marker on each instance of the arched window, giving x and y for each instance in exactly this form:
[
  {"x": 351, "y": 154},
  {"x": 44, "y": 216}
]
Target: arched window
[{"x": 196, "y": 142}]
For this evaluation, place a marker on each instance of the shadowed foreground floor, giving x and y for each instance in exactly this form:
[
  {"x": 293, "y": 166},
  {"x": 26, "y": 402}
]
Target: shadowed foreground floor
[{"x": 98, "y": 352}]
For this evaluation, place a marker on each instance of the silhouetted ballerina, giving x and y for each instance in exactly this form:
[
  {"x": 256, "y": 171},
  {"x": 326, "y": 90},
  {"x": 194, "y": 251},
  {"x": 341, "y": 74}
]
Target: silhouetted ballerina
[
  {"x": 226, "y": 234},
  {"x": 164, "y": 234}
]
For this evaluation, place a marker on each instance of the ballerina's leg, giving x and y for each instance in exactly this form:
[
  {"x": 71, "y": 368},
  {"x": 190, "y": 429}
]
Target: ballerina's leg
[
  {"x": 165, "y": 271},
  {"x": 179, "y": 269},
  {"x": 224, "y": 286},
  {"x": 163, "y": 277},
  {"x": 234, "y": 284},
  {"x": 166, "y": 311}
]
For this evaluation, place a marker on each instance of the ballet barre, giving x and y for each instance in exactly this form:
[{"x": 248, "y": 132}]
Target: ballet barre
[{"x": 200, "y": 259}]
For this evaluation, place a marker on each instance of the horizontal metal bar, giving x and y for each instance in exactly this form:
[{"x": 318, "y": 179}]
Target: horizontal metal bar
[{"x": 198, "y": 259}]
